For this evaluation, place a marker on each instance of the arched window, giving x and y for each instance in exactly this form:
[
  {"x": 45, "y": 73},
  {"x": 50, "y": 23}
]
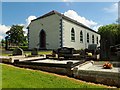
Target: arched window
[
  {"x": 72, "y": 35},
  {"x": 93, "y": 39},
  {"x": 81, "y": 36},
  {"x": 87, "y": 37},
  {"x": 97, "y": 39}
]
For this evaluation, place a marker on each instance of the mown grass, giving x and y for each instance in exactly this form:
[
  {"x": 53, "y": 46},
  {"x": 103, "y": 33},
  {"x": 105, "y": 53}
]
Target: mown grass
[
  {"x": 9, "y": 53},
  {"x": 13, "y": 77}
]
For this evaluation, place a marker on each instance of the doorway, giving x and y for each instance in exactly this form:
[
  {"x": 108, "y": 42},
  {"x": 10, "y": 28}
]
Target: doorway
[{"x": 42, "y": 39}]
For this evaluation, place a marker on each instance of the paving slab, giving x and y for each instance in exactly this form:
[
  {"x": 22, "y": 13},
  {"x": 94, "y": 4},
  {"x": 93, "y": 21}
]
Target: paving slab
[{"x": 100, "y": 68}]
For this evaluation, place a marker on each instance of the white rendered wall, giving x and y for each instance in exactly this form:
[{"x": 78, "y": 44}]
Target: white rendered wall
[
  {"x": 51, "y": 26},
  {"x": 67, "y": 26}
]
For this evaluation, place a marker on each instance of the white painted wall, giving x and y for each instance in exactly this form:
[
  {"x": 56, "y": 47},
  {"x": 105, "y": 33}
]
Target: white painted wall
[
  {"x": 51, "y": 25},
  {"x": 67, "y": 26}
]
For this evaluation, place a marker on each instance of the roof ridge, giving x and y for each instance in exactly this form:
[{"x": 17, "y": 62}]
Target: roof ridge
[{"x": 65, "y": 17}]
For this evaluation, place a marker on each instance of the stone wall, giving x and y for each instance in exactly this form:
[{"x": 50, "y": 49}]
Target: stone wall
[
  {"x": 107, "y": 78},
  {"x": 45, "y": 68}
]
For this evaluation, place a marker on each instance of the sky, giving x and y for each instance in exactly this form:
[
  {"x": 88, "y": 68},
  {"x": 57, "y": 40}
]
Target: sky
[{"x": 91, "y": 14}]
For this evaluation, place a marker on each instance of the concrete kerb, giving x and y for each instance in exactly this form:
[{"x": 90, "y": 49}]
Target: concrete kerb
[
  {"x": 107, "y": 78},
  {"x": 111, "y": 79},
  {"x": 11, "y": 59}
]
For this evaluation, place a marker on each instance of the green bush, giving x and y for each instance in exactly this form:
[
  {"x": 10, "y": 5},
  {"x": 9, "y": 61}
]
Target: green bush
[{"x": 25, "y": 48}]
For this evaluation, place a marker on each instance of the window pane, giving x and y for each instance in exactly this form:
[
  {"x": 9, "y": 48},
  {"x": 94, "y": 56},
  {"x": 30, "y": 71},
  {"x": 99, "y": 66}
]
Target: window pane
[
  {"x": 87, "y": 37},
  {"x": 72, "y": 35},
  {"x": 97, "y": 40},
  {"x": 81, "y": 36},
  {"x": 92, "y": 38}
]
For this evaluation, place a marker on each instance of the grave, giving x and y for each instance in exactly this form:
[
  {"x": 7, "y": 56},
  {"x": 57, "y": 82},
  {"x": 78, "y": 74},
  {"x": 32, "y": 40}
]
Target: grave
[
  {"x": 51, "y": 65},
  {"x": 95, "y": 72},
  {"x": 115, "y": 52},
  {"x": 17, "y": 51},
  {"x": 94, "y": 51},
  {"x": 34, "y": 51},
  {"x": 81, "y": 69},
  {"x": 67, "y": 53}
]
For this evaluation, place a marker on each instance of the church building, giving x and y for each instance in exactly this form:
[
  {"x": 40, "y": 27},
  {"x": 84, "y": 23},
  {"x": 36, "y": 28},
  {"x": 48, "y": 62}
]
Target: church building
[{"x": 54, "y": 30}]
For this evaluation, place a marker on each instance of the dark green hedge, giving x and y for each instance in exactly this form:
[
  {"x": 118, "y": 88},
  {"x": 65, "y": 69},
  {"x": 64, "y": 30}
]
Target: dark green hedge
[{"x": 24, "y": 48}]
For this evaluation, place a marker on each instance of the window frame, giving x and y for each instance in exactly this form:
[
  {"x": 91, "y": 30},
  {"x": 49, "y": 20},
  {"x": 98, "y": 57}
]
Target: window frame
[
  {"x": 88, "y": 37},
  {"x": 81, "y": 36},
  {"x": 93, "y": 39},
  {"x": 97, "y": 40},
  {"x": 72, "y": 35}
]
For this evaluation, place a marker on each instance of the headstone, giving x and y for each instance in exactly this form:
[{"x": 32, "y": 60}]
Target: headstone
[
  {"x": 65, "y": 52},
  {"x": 34, "y": 51},
  {"x": 118, "y": 54},
  {"x": 92, "y": 46},
  {"x": 18, "y": 51},
  {"x": 69, "y": 66},
  {"x": 6, "y": 43}
]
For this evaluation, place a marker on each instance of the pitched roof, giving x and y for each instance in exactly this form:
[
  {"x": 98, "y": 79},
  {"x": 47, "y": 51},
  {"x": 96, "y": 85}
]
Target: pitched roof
[{"x": 65, "y": 17}]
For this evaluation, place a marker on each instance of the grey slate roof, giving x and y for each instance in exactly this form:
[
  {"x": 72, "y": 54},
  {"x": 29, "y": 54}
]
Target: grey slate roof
[{"x": 64, "y": 17}]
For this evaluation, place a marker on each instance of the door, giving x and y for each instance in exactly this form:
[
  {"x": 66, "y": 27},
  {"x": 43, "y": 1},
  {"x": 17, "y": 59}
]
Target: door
[{"x": 42, "y": 39}]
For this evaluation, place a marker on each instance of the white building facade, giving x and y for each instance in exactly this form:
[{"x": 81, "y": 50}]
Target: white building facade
[{"x": 54, "y": 30}]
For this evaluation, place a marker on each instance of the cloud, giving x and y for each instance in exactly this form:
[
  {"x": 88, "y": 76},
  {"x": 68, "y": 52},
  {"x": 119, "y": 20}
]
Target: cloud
[
  {"x": 96, "y": 27},
  {"x": 1, "y": 37},
  {"x": 64, "y": 0},
  {"x": 24, "y": 28},
  {"x": 112, "y": 9},
  {"x": 3, "y": 30},
  {"x": 74, "y": 15},
  {"x": 28, "y": 20},
  {"x": 68, "y": 2}
]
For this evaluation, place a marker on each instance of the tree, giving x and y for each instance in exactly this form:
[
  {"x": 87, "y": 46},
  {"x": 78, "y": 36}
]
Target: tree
[
  {"x": 16, "y": 35},
  {"x": 110, "y": 35},
  {"x": 3, "y": 42}
]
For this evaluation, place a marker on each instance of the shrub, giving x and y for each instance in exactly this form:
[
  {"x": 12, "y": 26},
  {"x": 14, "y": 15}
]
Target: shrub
[{"x": 25, "y": 48}]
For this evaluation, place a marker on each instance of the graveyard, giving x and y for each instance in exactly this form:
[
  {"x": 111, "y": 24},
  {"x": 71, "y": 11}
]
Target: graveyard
[{"x": 66, "y": 61}]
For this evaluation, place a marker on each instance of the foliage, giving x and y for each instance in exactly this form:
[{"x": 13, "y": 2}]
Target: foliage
[
  {"x": 110, "y": 35},
  {"x": 25, "y": 48},
  {"x": 3, "y": 42},
  {"x": 13, "y": 77},
  {"x": 16, "y": 35}
]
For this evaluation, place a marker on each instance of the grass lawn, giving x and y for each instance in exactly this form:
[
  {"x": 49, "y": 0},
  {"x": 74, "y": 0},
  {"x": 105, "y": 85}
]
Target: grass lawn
[
  {"x": 8, "y": 53},
  {"x": 14, "y": 77}
]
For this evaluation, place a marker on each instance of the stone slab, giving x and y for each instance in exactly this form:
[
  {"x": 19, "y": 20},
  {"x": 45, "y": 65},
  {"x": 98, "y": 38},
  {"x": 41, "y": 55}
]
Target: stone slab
[{"x": 56, "y": 61}]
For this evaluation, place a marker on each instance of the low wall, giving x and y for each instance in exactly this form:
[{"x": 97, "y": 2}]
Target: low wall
[
  {"x": 107, "y": 78},
  {"x": 50, "y": 67},
  {"x": 44, "y": 68},
  {"x": 11, "y": 59}
]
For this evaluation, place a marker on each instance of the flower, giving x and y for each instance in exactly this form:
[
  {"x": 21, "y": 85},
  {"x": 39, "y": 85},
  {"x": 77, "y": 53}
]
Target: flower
[{"x": 107, "y": 65}]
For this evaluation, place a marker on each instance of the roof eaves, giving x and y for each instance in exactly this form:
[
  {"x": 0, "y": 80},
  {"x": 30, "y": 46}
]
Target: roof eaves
[
  {"x": 65, "y": 17},
  {"x": 78, "y": 23}
]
